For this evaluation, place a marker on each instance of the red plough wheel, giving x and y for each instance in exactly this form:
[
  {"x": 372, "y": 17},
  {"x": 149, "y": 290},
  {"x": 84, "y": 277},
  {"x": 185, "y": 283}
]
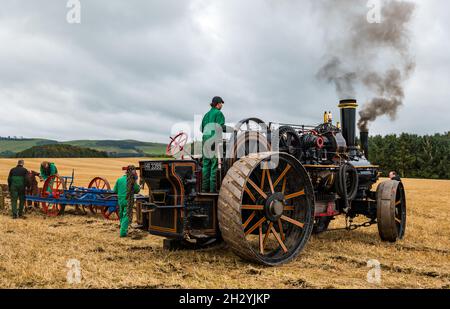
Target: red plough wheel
[
  {"x": 53, "y": 188},
  {"x": 110, "y": 213},
  {"x": 97, "y": 183}
]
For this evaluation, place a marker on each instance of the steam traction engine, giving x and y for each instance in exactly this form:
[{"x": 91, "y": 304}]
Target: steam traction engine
[{"x": 279, "y": 185}]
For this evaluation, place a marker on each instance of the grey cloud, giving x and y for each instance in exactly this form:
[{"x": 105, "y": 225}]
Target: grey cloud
[{"x": 132, "y": 69}]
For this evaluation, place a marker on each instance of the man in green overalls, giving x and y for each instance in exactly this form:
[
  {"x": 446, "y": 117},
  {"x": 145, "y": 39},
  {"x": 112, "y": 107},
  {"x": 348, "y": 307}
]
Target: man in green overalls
[
  {"x": 17, "y": 182},
  {"x": 210, "y": 124},
  {"x": 121, "y": 189},
  {"x": 48, "y": 169}
]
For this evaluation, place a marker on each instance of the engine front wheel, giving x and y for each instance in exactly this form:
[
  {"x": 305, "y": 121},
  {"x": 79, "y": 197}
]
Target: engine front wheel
[{"x": 391, "y": 210}]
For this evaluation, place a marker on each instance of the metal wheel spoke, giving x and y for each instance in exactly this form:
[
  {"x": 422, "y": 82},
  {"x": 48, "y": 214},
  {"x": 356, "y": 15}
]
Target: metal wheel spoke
[
  {"x": 270, "y": 180},
  {"x": 261, "y": 221},
  {"x": 274, "y": 232},
  {"x": 252, "y": 207},
  {"x": 250, "y": 218},
  {"x": 250, "y": 194},
  {"x": 280, "y": 226},
  {"x": 288, "y": 167},
  {"x": 264, "y": 195},
  {"x": 263, "y": 178},
  {"x": 290, "y": 220},
  {"x": 267, "y": 234},
  {"x": 261, "y": 243},
  {"x": 283, "y": 189},
  {"x": 294, "y": 195}
]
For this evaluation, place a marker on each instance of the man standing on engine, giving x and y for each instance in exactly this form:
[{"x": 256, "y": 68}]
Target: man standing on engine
[
  {"x": 121, "y": 189},
  {"x": 212, "y": 122},
  {"x": 17, "y": 182}
]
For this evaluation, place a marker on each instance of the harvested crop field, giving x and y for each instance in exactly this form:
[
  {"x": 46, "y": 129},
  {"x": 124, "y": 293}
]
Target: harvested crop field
[{"x": 34, "y": 252}]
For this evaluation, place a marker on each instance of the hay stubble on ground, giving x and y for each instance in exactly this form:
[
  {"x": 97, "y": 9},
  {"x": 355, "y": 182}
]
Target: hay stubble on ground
[{"x": 34, "y": 252}]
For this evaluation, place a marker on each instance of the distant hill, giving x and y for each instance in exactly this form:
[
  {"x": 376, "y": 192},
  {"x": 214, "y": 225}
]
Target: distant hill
[
  {"x": 114, "y": 148},
  {"x": 8, "y": 146},
  {"x": 61, "y": 151},
  {"x": 123, "y": 148}
]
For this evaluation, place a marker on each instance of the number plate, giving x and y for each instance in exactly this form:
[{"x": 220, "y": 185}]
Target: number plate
[{"x": 153, "y": 166}]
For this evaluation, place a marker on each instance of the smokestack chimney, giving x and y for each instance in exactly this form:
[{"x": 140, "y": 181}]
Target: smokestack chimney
[
  {"x": 364, "y": 139},
  {"x": 348, "y": 121}
]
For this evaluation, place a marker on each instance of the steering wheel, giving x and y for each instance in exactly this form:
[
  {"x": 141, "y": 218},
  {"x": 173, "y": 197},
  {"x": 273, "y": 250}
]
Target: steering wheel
[{"x": 177, "y": 144}]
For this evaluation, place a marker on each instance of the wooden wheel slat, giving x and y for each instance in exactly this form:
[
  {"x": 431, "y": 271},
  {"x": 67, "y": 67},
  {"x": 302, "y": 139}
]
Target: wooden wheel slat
[
  {"x": 253, "y": 207},
  {"x": 286, "y": 170},
  {"x": 290, "y": 220},
  {"x": 269, "y": 178},
  {"x": 275, "y": 233},
  {"x": 257, "y": 224},
  {"x": 280, "y": 226},
  {"x": 266, "y": 237},
  {"x": 294, "y": 195},
  {"x": 250, "y": 218},
  {"x": 261, "y": 192},
  {"x": 250, "y": 194}
]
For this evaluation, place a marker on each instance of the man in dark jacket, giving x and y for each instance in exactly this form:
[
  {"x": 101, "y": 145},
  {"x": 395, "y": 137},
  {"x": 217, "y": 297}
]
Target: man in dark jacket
[{"x": 17, "y": 182}]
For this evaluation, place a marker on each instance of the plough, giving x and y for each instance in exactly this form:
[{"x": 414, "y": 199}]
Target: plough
[{"x": 59, "y": 192}]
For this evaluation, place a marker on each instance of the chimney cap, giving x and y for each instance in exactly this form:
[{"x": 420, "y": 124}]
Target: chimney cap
[{"x": 348, "y": 103}]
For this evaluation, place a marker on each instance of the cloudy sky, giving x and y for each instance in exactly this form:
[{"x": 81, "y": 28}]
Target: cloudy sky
[{"x": 132, "y": 69}]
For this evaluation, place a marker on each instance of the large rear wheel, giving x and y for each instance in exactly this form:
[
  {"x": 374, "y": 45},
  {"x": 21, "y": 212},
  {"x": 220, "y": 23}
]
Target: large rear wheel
[{"x": 266, "y": 208}]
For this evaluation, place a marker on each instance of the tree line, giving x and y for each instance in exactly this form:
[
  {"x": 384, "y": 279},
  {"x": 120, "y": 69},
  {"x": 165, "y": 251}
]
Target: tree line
[
  {"x": 70, "y": 151},
  {"x": 412, "y": 155},
  {"x": 61, "y": 151}
]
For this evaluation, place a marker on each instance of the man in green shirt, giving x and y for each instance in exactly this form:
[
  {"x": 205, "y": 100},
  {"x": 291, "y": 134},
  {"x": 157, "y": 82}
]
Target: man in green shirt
[
  {"x": 212, "y": 121},
  {"x": 121, "y": 189},
  {"x": 17, "y": 182},
  {"x": 48, "y": 169}
]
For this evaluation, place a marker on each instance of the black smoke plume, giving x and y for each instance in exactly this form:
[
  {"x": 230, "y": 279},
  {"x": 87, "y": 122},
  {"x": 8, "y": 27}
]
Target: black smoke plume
[{"x": 355, "y": 50}]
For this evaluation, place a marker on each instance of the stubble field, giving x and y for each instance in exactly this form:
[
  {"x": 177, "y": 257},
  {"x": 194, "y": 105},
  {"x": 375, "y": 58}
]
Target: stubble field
[{"x": 34, "y": 252}]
